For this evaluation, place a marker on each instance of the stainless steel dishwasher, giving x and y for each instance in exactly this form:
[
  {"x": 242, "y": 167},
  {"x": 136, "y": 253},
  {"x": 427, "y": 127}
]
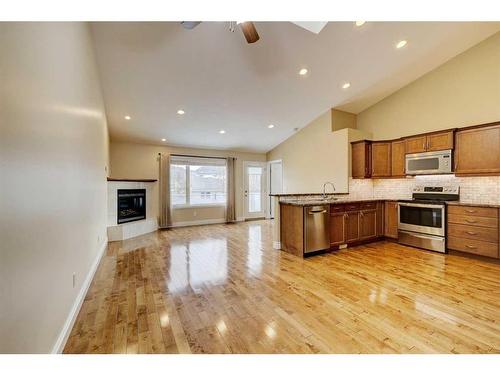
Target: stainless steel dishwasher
[{"x": 316, "y": 228}]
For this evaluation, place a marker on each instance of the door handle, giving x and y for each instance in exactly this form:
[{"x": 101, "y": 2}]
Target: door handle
[{"x": 317, "y": 212}]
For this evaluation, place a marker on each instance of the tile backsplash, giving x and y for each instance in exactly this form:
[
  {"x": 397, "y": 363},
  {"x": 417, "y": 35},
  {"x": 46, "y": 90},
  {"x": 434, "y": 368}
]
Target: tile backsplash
[{"x": 484, "y": 190}]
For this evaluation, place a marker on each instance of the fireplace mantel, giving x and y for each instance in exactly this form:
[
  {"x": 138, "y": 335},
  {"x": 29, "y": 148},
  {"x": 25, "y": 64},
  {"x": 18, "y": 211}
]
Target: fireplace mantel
[{"x": 132, "y": 179}]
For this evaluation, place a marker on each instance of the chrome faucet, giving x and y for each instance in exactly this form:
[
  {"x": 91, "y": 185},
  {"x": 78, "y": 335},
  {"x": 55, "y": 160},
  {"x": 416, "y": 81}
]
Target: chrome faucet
[{"x": 324, "y": 188}]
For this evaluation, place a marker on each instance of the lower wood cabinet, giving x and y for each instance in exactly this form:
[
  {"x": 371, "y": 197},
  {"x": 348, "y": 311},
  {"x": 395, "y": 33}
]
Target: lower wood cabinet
[
  {"x": 354, "y": 222},
  {"x": 368, "y": 224},
  {"x": 391, "y": 219},
  {"x": 474, "y": 230}
]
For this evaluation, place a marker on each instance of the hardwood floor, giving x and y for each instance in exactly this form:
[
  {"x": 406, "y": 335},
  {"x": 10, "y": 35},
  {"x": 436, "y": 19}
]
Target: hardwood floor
[{"x": 223, "y": 289}]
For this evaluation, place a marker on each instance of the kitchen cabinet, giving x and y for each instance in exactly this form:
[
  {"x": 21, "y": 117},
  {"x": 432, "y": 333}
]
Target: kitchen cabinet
[
  {"x": 391, "y": 219},
  {"x": 361, "y": 159},
  {"x": 430, "y": 142},
  {"x": 473, "y": 230},
  {"x": 337, "y": 228},
  {"x": 351, "y": 226},
  {"x": 381, "y": 159},
  {"x": 398, "y": 161},
  {"x": 368, "y": 224},
  {"x": 478, "y": 151}
]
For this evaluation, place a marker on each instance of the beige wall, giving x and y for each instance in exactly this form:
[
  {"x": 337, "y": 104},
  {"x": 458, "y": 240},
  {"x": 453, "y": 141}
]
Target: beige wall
[
  {"x": 133, "y": 160},
  {"x": 464, "y": 91},
  {"x": 315, "y": 155},
  {"x": 53, "y": 152}
]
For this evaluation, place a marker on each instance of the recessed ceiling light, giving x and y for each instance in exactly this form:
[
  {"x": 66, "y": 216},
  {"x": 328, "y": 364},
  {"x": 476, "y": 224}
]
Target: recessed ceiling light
[
  {"x": 346, "y": 85},
  {"x": 180, "y": 112},
  {"x": 270, "y": 126},
  {"x": 127, "y": 117},
  {"x": 163, "y": 140},
  {"x": 303, "y": 71},
  {"x": 222, "y": 131},
  {"x": 360, "y": 23},
  {"x": 401, "y": 44}
]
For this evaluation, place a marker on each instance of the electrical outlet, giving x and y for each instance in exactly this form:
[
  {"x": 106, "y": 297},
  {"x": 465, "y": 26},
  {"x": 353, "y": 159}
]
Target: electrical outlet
[
  {"x": 195, "y": 213},
  {"x": 74, "y": 279},
  {"x": 98, "y": 239}
]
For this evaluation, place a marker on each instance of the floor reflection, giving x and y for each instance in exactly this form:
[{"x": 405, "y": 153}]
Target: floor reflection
[
  {"x": 200, "y": 261},
  {"x": 254, "y": 258}
]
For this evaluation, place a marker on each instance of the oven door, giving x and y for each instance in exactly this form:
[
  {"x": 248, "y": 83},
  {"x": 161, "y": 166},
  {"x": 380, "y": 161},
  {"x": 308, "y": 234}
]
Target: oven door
[
  {"x": 422, "y": 218},
  {"x": 428, "y": 163}
]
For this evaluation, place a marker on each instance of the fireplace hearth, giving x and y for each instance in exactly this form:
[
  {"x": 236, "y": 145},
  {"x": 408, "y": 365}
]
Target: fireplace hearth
[{"x": 131, "y": 205}]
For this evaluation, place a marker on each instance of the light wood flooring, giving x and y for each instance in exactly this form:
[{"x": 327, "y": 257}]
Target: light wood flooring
[{"x": 223, "y": 289}]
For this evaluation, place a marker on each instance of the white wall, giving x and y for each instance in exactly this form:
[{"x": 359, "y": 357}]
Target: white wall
[
  {"x": 134, "y": 160},
  {"x": 54, "y": 151},
  {"x": 463, "y": 91},
  {"x": 315, "y": 155}
]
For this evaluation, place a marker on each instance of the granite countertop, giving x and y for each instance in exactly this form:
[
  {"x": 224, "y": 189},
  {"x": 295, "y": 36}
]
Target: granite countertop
[
  {"x": 317, "y": 202},
  {"x": 459, "y": 203},
  {"x": 310, "y": 202}
]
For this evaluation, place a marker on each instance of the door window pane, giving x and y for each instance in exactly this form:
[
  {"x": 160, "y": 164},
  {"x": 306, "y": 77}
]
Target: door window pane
[
  {"x": 254, "y": 189},
  {"x": 178, "y": 184},
  {"x": 207, "y": 184}
]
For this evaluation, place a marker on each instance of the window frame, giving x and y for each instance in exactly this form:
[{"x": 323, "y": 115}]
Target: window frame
[{"x": 188, "y": 203}]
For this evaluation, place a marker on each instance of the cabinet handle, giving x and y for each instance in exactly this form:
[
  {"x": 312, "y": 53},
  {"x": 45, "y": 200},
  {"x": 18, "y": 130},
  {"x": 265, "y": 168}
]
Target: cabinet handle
[
  {"x": 472, "y": 233},
  {"x": 470, "y": 246},
  {"x": 470, "y": 221},
  {"x": 471, "y": 211}
]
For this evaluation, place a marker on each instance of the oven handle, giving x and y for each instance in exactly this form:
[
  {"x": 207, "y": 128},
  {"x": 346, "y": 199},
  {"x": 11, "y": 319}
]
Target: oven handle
[{"x": 440, "y": 206}]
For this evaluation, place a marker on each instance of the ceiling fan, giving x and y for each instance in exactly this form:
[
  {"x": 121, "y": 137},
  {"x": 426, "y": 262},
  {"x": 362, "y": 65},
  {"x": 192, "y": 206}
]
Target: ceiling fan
[{"x": 250, "y": 32}]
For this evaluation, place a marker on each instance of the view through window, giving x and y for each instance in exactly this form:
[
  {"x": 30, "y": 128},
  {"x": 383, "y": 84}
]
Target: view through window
[{"x": 197, "y": 181}]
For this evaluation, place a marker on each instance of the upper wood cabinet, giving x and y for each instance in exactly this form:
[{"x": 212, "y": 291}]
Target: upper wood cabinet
[
  {"x": 361, "y": 159},
  {"x": 398, "y": 158},
  {"x": 478, "y": 150},
  {"x": 381, "y": 159},
  {"x": 430, "y": 142}
]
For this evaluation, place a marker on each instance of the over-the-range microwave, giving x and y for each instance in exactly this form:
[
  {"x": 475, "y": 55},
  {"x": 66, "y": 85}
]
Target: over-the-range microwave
[{"x": 435, "y": 162}]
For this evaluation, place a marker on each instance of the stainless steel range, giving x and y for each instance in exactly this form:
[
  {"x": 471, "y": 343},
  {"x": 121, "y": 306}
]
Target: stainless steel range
[{"x": 422, "y": 220}]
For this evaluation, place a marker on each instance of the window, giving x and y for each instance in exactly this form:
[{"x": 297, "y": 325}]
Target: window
[{"x": 197, "y": 181}]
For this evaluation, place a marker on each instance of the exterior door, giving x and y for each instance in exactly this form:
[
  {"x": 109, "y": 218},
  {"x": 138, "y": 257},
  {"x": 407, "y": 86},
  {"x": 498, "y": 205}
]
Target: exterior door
[
  {"x": 255, "y": 189},
  {"x": 275, "y": 178}
]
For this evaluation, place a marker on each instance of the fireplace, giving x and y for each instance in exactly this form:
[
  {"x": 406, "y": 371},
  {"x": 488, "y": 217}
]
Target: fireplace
[{"x": 131, "y": 205}]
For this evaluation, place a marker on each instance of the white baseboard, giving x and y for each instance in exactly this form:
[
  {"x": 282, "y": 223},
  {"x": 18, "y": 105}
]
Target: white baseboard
[
  {"x": 75, "y": 309},
  {"x": 197, "y": 222},
  {"x": 277, "y": 245}
]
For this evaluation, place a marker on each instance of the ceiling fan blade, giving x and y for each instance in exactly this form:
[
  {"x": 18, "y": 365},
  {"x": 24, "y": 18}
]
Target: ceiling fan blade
[
  {"x": 190, "y": 24},
  {"x": 250, "y": 32},
  {"x": 313, "y": 26}
]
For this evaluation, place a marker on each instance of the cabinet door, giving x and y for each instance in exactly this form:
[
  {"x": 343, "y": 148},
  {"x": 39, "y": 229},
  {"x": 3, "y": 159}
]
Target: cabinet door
[
  {"x": 416, "y": 144},
  {"x": 368, "y": 224},
  {"x": 440, "y": 141},
  {"x": 391, "y": 219},
  {"x": 381, "y": 159},
  {"x": 478, "y": 151},
  {"x": 380, "y": 218},
  {"x": 351, "y": 226},
  {"x": 360, "y": 160},
  {"x": 337, "y": 229},
  {"x": 398, "y": 159}
]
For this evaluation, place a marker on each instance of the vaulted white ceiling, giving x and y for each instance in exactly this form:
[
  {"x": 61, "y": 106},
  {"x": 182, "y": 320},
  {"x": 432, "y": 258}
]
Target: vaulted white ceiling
[{"x": 150, "y": 70}]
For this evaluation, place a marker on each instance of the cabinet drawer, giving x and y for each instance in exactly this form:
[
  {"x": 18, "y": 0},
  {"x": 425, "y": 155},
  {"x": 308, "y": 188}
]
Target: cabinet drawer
[
  {"x": 352, "y": 207},
  {"x": 473, "y": 233},
  {"x": 473, "y": 211},
  {"x": 488, "y": 249},
  {"x": 369, "y": 205},
  {"x": 334, "y": 208},
  {"x": 489, "y": 222}
]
